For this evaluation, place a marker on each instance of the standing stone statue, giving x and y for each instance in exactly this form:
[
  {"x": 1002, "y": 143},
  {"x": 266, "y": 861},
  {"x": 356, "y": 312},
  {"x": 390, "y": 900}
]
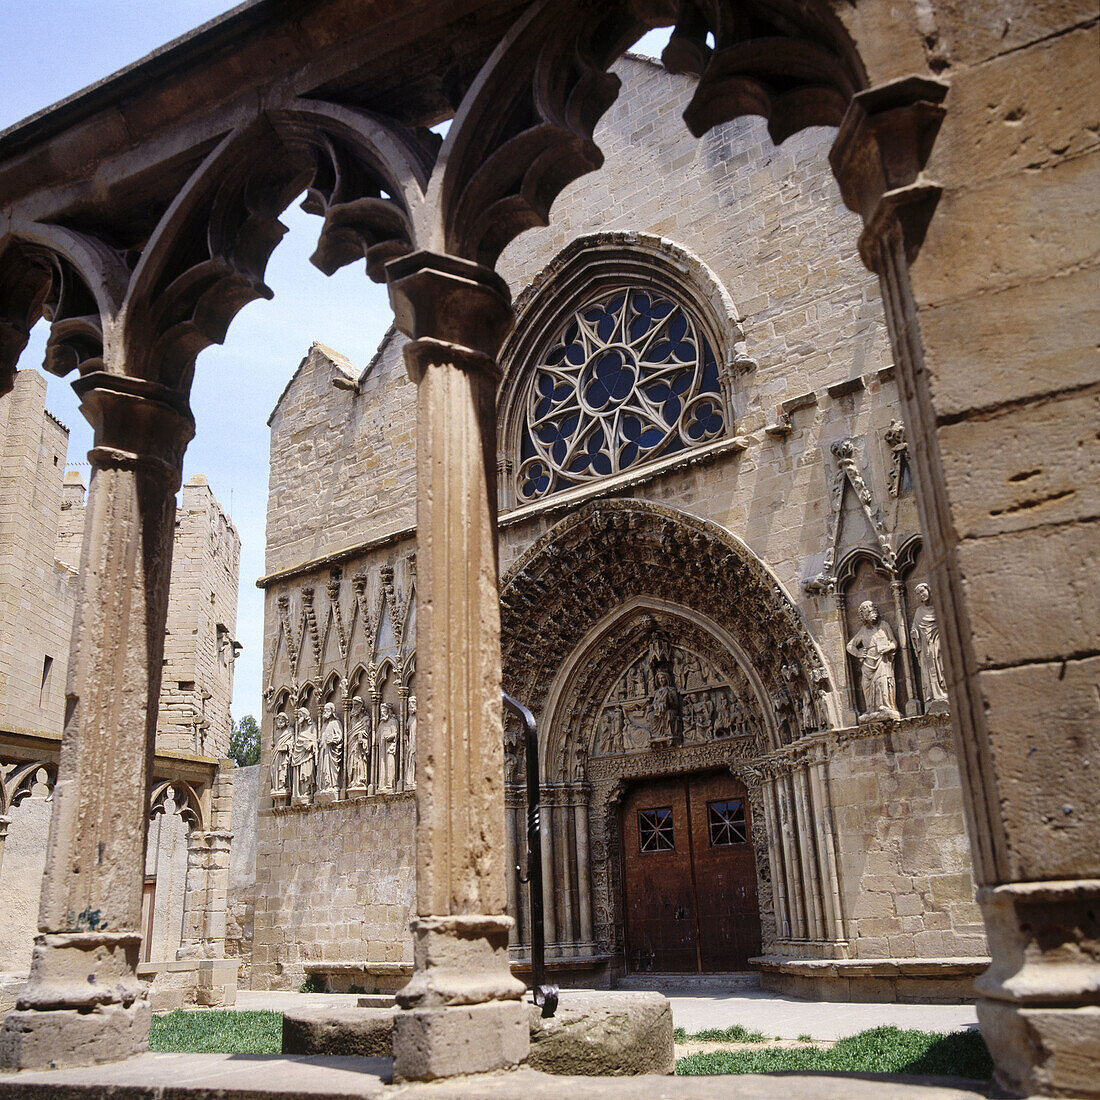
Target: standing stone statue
[
  {"x": 873, "y": 646},
  {"x": 358, "y": 746},
  {"x": 387, "y": 746},
  {"x": 408, "y": 764},
  {"x": 723, "y": 720},
  {"x": 664, "y": 710},
  {"x": 303, "y": 757},
  {"x": 281, "y": 740},
  {"x": 331, "y": 750},
  {"x": 924, "y": 632}
]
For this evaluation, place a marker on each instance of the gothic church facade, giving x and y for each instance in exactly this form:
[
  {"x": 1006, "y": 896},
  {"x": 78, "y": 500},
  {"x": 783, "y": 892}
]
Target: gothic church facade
[{"x": 714, "y": 598}]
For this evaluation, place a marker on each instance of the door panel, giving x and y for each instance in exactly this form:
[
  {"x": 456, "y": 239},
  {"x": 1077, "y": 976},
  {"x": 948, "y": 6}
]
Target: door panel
[{"x": 689, "y": 881}]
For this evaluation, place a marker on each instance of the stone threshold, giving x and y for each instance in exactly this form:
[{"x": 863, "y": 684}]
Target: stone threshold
[{"x": 948, "y": 967}]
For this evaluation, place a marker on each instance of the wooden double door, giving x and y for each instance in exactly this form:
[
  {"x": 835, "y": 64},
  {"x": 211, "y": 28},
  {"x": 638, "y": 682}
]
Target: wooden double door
[{"x": 689, "y": 876}]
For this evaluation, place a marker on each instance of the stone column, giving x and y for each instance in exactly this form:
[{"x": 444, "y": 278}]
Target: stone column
[
  {"x": 779, "y": 874},
  {"x": 194, "y": 897},
  {"x": 549, "y": 883},
  {"x": 824, "y": 816},
  {"x": 83, "y": 1002},
  {"x": 463, "y": 1012},
  {"x": 799, "y": 912},
  {"x": 563, "y": 819},
  {"x": 1012, "y": 557},
  {"x": 512, "y": 804},
  {"x": 584, "y": 873},
  {"x": 805, "y": 830}
]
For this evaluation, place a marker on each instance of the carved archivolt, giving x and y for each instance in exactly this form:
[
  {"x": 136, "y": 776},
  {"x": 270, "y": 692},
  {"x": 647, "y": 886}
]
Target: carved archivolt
[{"x": 609, "y": 552}]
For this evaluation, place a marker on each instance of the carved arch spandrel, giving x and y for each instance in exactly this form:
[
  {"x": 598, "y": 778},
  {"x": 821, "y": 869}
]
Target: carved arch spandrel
[{"x": 73, "y": 280}]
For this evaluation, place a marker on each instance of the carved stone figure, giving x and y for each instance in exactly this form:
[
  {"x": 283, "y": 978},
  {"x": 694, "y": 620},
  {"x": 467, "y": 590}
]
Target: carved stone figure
[
  {"x": 611, "y": 736},
  {"x": 664, "y": 711},
  {"x": 281, "y": 740},
  {"x": 408, "y": 768},
  {"x": 387, "y": 746},
  {"x": 303, "y": 757},
  {"x": 723, "y": 718},
  {"x": 358, "y": 746},
  {"x": 873, "y": 646},
  {"x": 924, "y": 632},
  {"x": 331, "y": 750}
]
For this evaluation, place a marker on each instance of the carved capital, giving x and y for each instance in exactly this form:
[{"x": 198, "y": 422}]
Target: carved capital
[
  {"x": 451, "y": 308},
  {"x": 138, "y": 424},
  {"x": 879, "y": 156}
]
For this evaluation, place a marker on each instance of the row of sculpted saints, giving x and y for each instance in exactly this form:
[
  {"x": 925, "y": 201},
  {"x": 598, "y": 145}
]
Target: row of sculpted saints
[{"x": 306, "y": 761}]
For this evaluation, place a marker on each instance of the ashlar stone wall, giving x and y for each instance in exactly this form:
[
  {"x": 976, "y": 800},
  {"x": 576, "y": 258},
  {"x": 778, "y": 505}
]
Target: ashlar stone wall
[
  {"x": 199, "y": 650},
  {"x": 37, "y": 592}
]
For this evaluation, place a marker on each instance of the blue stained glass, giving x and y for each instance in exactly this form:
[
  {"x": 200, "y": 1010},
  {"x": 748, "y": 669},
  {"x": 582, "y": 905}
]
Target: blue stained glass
[{"x": 617, "y": 396}]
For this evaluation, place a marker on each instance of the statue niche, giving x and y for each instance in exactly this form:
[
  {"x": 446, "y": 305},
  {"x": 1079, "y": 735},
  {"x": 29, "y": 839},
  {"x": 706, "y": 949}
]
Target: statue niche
[{"x": 668, "y": 695}]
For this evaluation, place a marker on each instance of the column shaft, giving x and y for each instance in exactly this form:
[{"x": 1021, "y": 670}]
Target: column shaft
[
  {"x": 90, "y": 917},
  {"x": 465, "y": 1013},
  {"x": 584, "y": 873}
]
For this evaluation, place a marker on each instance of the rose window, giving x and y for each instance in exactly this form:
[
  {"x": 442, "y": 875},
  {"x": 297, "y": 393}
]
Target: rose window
[{"x": 630, "y": 377}]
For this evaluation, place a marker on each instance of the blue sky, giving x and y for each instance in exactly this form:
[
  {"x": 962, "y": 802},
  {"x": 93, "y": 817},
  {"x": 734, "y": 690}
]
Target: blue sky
[{"x": 45, "y": 59}]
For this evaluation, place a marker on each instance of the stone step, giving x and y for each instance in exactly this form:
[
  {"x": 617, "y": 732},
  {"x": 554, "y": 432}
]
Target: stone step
[
  {"x": 594, "y": 1032},
  {"x": 735, "y": 981}
]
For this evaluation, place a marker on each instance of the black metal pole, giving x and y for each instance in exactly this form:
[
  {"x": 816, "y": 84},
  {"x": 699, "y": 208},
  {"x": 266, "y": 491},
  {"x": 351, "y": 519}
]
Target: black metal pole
[{"x": 546, "y": 996}]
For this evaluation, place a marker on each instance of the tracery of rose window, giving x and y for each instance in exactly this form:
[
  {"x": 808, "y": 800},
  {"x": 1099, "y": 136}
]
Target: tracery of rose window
[{"x": 630, "y": 377}]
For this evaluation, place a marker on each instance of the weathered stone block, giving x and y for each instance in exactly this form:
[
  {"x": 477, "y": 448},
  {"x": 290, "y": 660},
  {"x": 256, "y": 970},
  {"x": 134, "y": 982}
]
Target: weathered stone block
[{"x": 603, "y": 1034}]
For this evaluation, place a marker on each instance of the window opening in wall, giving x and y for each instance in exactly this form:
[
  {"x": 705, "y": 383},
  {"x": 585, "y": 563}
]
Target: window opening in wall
[
  {"x": 47, "y": 674},
  {"x": 726, "y": 822},
  {"x": 655, "y": 830},
  {"x": 629, "y": 378}
]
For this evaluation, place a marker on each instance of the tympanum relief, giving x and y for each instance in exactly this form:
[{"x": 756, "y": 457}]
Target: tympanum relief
[
  {"x": 670, "y": 696},
  {"x": 343, "y": 721}
]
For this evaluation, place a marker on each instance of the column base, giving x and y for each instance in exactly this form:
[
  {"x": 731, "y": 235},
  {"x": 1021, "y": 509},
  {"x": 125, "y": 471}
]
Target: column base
[
  {"x": 459, "y": 1039},
  {"x": 460, "y": 960},
  {"x": 1039, "y": 1005},
  {"x": 56, "y": 1038}
]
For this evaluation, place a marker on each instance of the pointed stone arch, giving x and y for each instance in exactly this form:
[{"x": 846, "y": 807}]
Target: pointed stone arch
[{"x": 582, "y": 571}]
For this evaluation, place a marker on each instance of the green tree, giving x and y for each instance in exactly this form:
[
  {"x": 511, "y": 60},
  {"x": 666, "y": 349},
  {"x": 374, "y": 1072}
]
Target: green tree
[{"x": 244, "y": 741}]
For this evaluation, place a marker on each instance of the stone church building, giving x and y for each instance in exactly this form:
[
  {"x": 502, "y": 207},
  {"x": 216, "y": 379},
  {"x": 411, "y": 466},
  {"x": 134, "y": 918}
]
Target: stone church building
[
  {"x": 715, "y": 599},
  {"x": 187, "y": 856}
]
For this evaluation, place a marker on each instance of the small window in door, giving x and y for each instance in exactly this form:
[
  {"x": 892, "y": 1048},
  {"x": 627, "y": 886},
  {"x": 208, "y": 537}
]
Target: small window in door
[
  {"x": 655, "y": 830},
  {"x": 726, "y": 821}
]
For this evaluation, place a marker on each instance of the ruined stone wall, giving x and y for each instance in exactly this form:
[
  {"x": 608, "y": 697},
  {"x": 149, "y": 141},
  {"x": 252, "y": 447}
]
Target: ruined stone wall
[
  {"x": 37, "y": 593},
  {"x": 197, "y": 683},
  {"x": 906, "y": 878},
  {"x": 241, "y": 899},
  {"x": 70, "y": 525}
]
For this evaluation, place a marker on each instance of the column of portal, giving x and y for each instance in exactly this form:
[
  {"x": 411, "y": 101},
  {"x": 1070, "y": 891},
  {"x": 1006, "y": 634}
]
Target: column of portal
[
  {"x": 584, "y": 873},
  {"x": 462, "y": 1009},
  {"x": 779, "y": 873},
  {"x": 83, "y": 1002}
]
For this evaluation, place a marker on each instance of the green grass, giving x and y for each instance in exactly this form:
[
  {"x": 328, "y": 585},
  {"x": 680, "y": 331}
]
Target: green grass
[
  {"x": 880, "y": 1050},
  {"x": 218, "y": 1031},
  {"x": 735, "y": 1034}
]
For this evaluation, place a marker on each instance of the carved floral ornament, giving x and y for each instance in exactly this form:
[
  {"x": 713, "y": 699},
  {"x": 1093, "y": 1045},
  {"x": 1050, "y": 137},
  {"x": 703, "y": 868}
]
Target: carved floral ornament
[{"x": 343, "y": 716}]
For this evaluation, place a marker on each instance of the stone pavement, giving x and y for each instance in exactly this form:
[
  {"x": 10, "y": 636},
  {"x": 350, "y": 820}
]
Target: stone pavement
[
  {"x": 755, "y": 1009},
  {"x": 265, "y": 1077}
]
